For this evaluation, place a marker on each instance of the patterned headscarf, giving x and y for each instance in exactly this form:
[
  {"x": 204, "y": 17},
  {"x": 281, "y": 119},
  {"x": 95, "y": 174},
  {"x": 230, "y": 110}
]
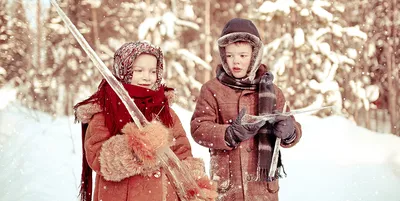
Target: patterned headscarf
[{"x": 126, "y": 55}]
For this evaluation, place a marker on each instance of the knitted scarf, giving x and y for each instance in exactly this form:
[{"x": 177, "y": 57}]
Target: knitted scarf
[
  {"x": 266, "y": 105},
  {"x": 153, "y": 105}
]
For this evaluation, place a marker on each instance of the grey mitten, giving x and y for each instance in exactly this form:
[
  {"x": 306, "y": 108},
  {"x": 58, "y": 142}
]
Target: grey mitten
[
  {"x": 284, "y": 128},
  {"x": 237, "y": 132}
]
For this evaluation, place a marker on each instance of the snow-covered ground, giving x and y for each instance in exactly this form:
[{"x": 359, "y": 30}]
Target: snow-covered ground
[{"x": 40, "y": 159}]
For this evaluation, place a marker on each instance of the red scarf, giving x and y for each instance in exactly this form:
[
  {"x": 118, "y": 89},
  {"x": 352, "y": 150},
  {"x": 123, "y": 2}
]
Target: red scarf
[{"x": 153, "y": 105}]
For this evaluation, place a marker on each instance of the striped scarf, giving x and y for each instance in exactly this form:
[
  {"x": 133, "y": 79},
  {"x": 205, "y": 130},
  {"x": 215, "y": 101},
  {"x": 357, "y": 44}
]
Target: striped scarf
[{"x": 266, "y": 105}]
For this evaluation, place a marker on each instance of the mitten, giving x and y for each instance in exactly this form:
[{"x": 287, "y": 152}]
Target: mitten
[
  {"x": 238, "y": 132},
  {"x": 145, "y": 143},
  {"x": 284, "y": 128},
  {"x": 117, "y": 161}
]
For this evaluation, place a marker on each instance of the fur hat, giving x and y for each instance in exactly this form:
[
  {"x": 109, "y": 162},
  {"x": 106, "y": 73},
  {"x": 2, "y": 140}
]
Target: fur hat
[
  {"x": 241, "y": 30},
  {"x": 126, "y": 55}
]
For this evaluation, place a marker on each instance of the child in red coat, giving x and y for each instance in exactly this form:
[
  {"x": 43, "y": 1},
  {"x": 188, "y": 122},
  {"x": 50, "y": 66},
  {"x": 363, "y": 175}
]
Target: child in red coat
[{"x": 124, "y": 157}]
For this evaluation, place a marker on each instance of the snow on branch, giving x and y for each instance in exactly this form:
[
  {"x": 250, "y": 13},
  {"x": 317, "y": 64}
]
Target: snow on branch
[
  {"x": 194, "y": 83},
  {"x": 336, "y": 58},
  {"x": 280, "y": 5},
  {"x": 147, "y": 25},
  {"x": 187, "y": 24},
  {"x": 180, "y": 70},
  {"x": 320, "y": 32},
  {"x": 366, "y": 94},
  {"x": 8, "y": 93},
  {"x": 319, "y": 102},
  {"x": 267, "y": 7},
  {"x": 323, "y": 87},
  {"x": 93, "y": 3},
  {"x": 298, "y": 37},
  {"x": 322, "y": 13},
  {"x": 106, "y": 50},
  {"x": 271, "y": 47},
  {"x": 356, "y": 32},
  {"x": 190, "y": 56},
  {"x": 2, "y": 71},
  {"x": 169, "y": 21}
]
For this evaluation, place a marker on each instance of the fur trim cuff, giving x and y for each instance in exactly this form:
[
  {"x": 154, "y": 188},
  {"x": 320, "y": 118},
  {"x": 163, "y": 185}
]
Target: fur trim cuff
[
  {"x": 171, "y": 97},
  {"x": 85, "y": 112}
]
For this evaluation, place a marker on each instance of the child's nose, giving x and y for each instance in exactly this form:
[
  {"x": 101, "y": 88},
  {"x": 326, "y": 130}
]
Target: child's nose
[
  {"x": 146, "y": 76},
  {"x": 235, "y": 60}
]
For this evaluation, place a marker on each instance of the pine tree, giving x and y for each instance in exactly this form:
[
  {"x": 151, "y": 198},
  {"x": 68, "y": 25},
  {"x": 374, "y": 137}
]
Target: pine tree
[
  {"x": 65, "y": 60},
  {"x": 20, "y": 45},
  {"x": 19, "y": 69},
  {"x": 5, "y": 35},
  {"x": 311, "y": 51}
]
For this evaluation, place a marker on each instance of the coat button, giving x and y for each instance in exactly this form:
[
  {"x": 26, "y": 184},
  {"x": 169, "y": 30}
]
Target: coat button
[
  {"x": 157, "y": 174},
  {"x": 248, "y": 149},
  {"x": 248, "y": 177}
]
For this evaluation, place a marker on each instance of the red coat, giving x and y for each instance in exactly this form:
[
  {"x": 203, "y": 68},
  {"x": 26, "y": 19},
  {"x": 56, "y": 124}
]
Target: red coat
[{"x": 233, "y": 170}]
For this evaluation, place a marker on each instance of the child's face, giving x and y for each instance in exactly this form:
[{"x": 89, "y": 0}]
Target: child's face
[
  {"x": 144, "y": 71},
  {"x": 238, "y": 57}
]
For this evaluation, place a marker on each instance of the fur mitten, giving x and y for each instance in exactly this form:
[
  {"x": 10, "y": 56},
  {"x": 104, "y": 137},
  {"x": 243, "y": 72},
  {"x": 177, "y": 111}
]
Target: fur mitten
[
  {"x": 117, "y": 161},
  {"x": 145, "y": 143}
]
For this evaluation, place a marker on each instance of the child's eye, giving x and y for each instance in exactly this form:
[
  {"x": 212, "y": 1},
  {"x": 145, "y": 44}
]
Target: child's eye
[
  {"x": 153, "y": 72},
  {"x": 137, "y": 71},
  {"x": 243, "y": 55},
  {"x": 228, "y": 56}
]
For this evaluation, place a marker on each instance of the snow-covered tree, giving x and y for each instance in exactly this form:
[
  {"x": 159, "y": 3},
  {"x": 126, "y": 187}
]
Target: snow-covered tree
[
  {"x": 67, "y": 69},
  {"x": 380, "y": 55},
  {"x": 19, "y": 67},
  {"x": 20, "y": 45},
  {"x": 312, "y": 51},
  {"x": 166, "y": 29}
]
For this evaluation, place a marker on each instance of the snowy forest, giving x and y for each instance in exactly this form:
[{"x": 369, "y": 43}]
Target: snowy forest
[{"x": 342, "y": 53}]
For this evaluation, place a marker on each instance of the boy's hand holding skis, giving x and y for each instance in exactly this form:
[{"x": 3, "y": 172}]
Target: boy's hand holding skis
[{"x": 237, "y": 132}]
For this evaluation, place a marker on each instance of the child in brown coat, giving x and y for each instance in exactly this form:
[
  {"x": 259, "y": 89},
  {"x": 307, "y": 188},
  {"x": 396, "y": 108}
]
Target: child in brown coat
[{"x": 241, "y": 152}]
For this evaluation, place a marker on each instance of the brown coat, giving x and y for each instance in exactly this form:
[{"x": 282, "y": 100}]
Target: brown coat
[
  {"x": 154, "y": 187},
  {"x": 234, "y": 170}
]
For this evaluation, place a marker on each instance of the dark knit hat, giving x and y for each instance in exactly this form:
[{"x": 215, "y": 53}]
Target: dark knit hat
[
  {"x": 240, "y": 25},
  {"x": 241, "y": 30}
]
